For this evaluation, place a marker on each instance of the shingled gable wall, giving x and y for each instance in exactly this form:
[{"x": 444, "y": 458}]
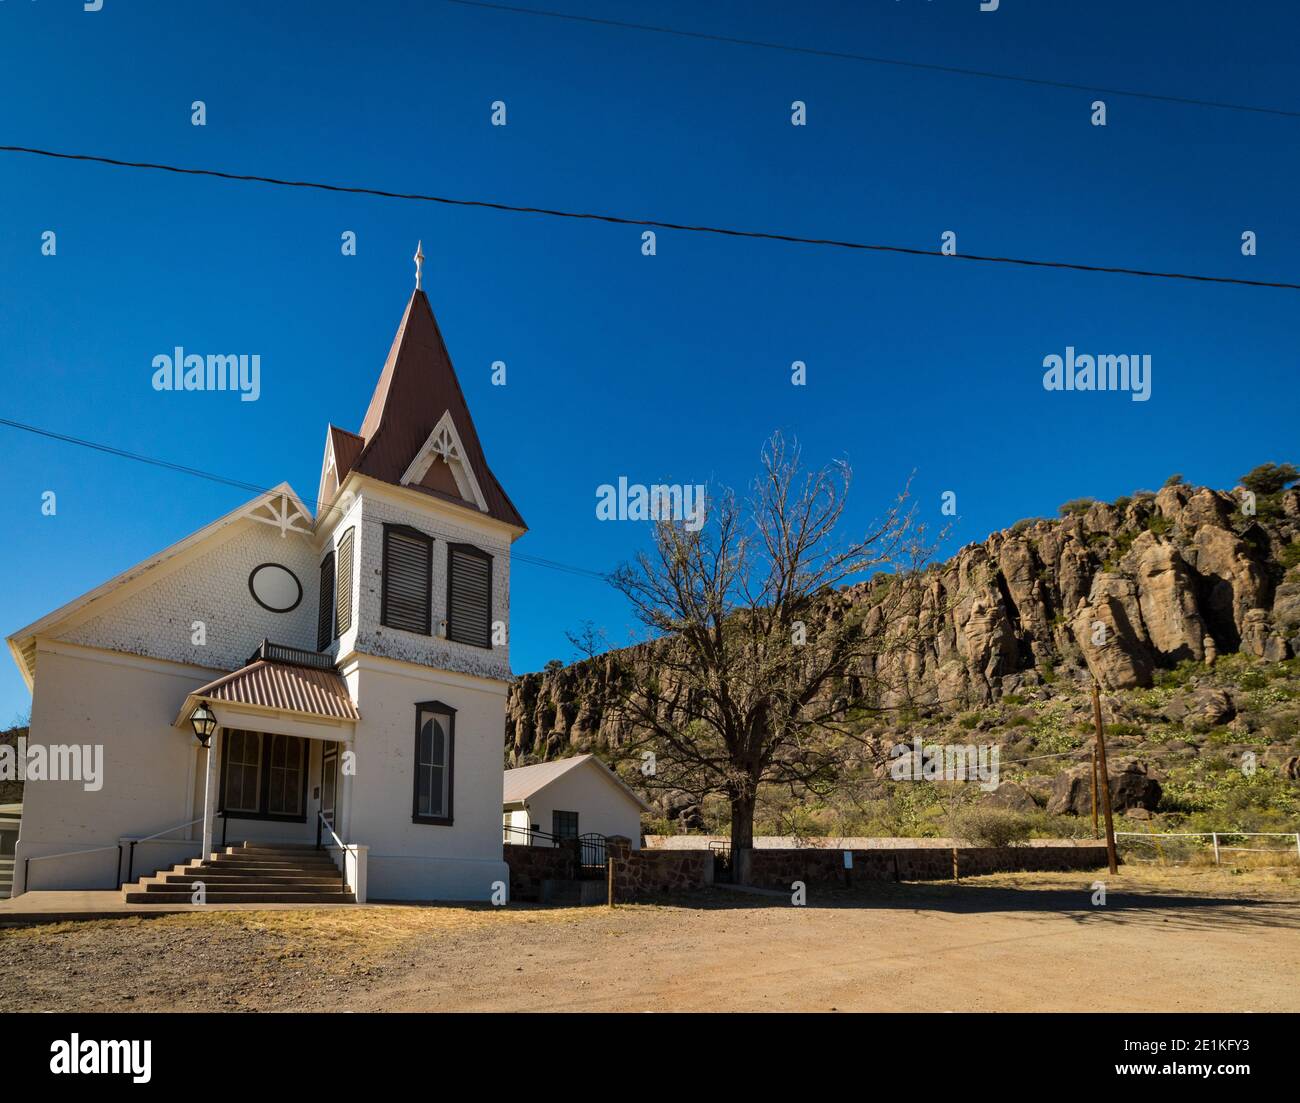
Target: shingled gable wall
[{"x": 208, "y": 583}]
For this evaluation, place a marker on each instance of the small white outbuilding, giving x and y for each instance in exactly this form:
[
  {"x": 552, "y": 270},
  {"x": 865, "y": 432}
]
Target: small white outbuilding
[{"x": 567, "y": 798}]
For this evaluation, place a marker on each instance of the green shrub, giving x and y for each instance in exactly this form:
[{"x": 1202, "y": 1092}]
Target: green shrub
[
  {"x": 1270, "y": 478},
  {"x": 1076, "y": 506},
  {"x": 993, "y": 827}
]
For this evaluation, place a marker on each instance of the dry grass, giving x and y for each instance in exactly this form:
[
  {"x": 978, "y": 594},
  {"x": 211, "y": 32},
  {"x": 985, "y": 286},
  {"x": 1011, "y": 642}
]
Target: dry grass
[
  {"x": 332, "y": 938},
  {"x": 1281, "y": 882}
]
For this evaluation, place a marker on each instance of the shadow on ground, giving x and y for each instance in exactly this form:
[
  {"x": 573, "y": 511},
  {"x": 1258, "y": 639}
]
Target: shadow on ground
[{"x": 1179, "y": 910}]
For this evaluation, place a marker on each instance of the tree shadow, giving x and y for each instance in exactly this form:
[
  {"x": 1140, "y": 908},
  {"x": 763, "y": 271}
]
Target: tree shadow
[{"x": 1123, "y": 904}]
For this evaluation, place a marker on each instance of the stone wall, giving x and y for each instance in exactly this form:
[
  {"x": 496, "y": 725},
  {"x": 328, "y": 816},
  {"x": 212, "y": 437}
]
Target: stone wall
[
  {"x": 780, "y": 868},
  {"x": 531, "y": 865},
  {"x": 643, "y": 874},
  {"x": 975, "y": 860}
]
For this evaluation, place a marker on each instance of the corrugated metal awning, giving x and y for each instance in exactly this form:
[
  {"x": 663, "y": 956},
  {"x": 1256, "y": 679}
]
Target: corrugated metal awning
[{"x": 281, "y": 687}]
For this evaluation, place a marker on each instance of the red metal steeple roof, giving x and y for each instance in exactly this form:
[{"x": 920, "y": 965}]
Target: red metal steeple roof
[{"x": 416, "y": 388}]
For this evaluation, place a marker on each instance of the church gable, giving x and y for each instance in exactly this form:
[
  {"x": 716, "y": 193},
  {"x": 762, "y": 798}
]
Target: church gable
[{"x": 442, "y": 466}]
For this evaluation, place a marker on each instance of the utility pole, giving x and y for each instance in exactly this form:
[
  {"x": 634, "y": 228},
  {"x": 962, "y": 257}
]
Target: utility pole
[
  {"x": 1095, "y": 833},
  {"x": 1105, "y": 777}
]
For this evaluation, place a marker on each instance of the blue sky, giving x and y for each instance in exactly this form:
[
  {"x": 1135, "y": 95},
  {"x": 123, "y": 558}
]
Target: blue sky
[{"x": 669, "y": 368}]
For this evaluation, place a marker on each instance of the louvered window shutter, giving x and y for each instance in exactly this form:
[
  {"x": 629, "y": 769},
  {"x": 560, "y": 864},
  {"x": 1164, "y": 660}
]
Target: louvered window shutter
[
  {"x": 469, "y": 595},
  {"x": 343, "y": 603},
  {"x": 407, "y": 582},
  {"x": 325, "y": 618}
]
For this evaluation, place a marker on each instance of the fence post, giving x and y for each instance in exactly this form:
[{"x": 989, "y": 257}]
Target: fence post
[
  {"x": 1297, "y": 844},
  {"x": 1215, "y": 836},
  {"x": 618, "y": 851}
]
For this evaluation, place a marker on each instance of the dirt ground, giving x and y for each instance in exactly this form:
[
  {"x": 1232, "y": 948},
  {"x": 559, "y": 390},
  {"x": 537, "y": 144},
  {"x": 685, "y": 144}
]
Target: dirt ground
[{"x": 1165, "y": 940}]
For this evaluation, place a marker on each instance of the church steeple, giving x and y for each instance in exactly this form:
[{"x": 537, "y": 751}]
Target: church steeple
[{"x": 418, "y": 422}]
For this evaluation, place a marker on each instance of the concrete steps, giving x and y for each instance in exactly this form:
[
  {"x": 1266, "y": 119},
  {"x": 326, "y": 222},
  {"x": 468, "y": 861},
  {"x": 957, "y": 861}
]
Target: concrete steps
[
  {"x": 248, "y": 874},
  {"x": 6, "y": 878}
]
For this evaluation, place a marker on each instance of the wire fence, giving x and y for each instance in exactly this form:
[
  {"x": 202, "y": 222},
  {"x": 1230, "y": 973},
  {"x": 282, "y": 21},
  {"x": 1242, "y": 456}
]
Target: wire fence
[{"x": 1210, "y": 847}]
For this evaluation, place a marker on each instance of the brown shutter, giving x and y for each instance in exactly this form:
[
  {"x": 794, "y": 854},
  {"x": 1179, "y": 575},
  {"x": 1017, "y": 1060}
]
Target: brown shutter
[
  {"x": 343, "y": 598},
  {"x": 469, "y": 595},
  {"x": 407, "y": 588},
  {"x": 325, "y": 618}
]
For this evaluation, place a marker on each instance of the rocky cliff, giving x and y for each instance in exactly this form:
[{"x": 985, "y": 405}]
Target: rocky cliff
[{"x": 1119, "y": 590}]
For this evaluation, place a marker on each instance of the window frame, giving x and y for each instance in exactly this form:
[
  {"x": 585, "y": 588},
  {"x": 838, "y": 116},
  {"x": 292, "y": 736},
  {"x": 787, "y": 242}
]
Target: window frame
[
  {"x": 225, "y": 770},
  {"x": 556, "y": 813},
  {"x": 342, "y": 600},
  {"x": 414, "y": 533},
  {"x": 442, "y": 709},
  {"x": 263, "y": 778},
  {"x": 478, "y": 553},
  {"x": 326, "y": 615}
]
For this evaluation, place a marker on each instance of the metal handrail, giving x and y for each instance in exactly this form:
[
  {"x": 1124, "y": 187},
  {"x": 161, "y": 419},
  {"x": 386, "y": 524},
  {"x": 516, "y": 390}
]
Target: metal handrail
[
  {"x": 27, "y": 861},
  {"x": 555, "y": 839},
  {"x": 343, "y": 847},
  {"x": 130, "y": 865}
]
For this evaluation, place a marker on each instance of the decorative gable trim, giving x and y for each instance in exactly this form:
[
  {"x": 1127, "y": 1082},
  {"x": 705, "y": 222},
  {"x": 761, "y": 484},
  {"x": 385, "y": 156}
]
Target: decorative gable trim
[
  {"x": 282, "y": 509},
  {"x": 444, "y": 444}
]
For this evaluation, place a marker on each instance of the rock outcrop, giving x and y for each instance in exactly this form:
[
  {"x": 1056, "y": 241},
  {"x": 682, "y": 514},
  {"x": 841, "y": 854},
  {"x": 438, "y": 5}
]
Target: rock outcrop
[
  {"x": 1118, "y": 591},
  {"x": 1132, "y": 785}
]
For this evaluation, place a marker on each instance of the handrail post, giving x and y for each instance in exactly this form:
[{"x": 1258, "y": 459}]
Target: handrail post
[
  {"x": 130, "y": 865},
  {"x": 1215, "y": 836},
  {"x": 119, "y": 865}
]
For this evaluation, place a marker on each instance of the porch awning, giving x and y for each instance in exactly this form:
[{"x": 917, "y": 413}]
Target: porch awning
[{"x": 295, "y": 691}]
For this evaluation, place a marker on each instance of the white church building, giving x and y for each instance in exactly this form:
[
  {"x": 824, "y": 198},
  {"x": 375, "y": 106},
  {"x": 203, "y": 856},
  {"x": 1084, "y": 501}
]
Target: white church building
[{"x": 352, "y": 665}]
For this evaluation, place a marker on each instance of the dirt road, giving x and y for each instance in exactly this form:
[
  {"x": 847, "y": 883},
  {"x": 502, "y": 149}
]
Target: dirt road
[{"x": 1170, "y": 942}]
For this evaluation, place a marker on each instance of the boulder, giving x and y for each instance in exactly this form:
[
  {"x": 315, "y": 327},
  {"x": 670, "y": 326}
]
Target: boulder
[
  {"x": 1011, "y": 796},
  {"x": 1205, "y": 706},
  {"x": 1132, "y": 785}
]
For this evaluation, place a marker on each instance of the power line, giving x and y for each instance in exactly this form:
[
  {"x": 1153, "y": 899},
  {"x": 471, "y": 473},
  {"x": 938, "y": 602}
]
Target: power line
[
  {"x": 897, "y": 62},
  {"x": 239, "y": 484},
  {"x": 657, "y": 223}
]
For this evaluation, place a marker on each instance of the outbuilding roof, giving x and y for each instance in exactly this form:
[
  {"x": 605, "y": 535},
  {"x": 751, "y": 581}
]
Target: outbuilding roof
[{"x": 524, "y": 782}]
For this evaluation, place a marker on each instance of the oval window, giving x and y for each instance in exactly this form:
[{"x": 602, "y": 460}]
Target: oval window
[{"x": 275, "y": 587}]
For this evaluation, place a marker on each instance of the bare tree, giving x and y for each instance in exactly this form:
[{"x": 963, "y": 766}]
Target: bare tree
[{"x": 755, "y": 658}]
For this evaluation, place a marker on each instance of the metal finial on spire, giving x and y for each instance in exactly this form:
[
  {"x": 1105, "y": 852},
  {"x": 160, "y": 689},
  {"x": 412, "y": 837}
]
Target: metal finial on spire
[{"x": 419, "y": 262}]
